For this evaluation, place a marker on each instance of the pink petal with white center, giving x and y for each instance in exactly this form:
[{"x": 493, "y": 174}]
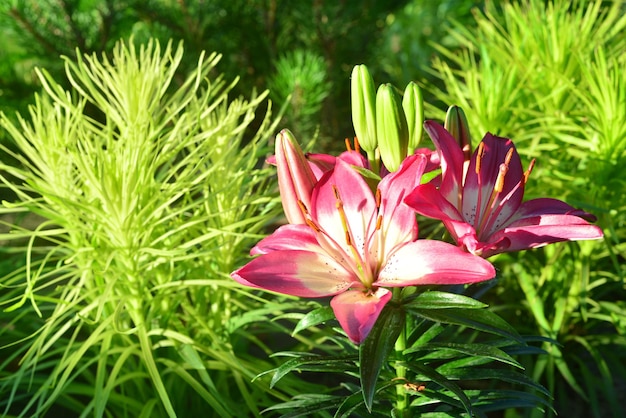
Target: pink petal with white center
[
  {"x": 426, "y": 200},
  {"x": 357, "y": 311},
  {"x": 451, "y": 156},
  {"x": 288, "y": 237},
  {"x": 296, "y": 273},
  {"x": 398, "y": 219},
  {"x": 344, "y": 191},
  {"x": 537, "y": 231},
  {"x": 426, "y": 262}
]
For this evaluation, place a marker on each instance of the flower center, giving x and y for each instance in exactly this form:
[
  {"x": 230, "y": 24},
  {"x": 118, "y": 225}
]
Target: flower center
[
  {"x": 492, "y": 207},
  {"x": 363, "y": 270},
  {"x": 491, "y": 218}
]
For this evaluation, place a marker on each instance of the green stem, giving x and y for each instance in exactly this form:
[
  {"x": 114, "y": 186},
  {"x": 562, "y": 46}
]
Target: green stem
[
  {"x": 374, "y": 159},
  {"x": 402, "y": 399}
]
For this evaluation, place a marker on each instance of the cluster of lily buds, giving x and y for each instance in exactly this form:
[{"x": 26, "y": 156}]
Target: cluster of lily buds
[{"x": 389, "y": 128}]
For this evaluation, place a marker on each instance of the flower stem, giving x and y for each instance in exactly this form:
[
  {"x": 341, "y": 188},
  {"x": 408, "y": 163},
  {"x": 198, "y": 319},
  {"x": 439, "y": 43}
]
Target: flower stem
[{"x": 402, "y": 399}]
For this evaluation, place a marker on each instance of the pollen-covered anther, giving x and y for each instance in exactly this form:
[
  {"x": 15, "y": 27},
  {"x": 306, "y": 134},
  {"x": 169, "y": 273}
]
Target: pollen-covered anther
[
  {"x": 503, "y": 169},
  {"x": 479, "y": 156},
  {"x": 303, "y": 208},
  {"x": 348, "y": 146},
  {"x": 499, "y": 186},
  {"x": 530, "y": 169},
  {"x": 378, "y": 199}
]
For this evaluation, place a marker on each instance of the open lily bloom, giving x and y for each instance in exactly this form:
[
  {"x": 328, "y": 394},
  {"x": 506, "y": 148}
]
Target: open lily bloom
[
  {"x": 482, "y": 207},
  {"x": 354, "y": 245}
]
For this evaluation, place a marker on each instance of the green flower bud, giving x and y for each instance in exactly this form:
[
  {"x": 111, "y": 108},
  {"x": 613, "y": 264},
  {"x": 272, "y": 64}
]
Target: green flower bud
[
  {"x": 391, "y": 127},
  {"x": 364, "y": 108},
  {"x": 413, "y": 105},
  {"x": 456, "y": 124}
]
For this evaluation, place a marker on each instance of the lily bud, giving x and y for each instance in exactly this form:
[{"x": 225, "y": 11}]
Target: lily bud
[
  {"x": 456, "y": 124},
  {"x": 363, "y": 108},
  {"x": 413, "y": 105},
  {"x": 295, "y": 177},
  {"x": 391, "y": 128}
]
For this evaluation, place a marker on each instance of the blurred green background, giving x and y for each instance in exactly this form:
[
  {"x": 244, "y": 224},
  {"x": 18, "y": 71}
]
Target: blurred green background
[{"x": 306, "y": 49}]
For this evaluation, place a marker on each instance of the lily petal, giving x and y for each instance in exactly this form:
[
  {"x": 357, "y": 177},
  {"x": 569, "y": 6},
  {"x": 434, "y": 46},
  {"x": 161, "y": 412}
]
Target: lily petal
[
  {"x": 358, "y": 311},
  {"x": 343, "y": 204},
  {"x": 537, "y": 231},
  {"x": 547, "y": 206},
  {"x": 295, "y": 177},
  {"x": 288, "y": 237},
  {"x": 398, "y": 219},
  {"x": 451, "y": 156},
  {"x": 426, "y": 262},
  {"x": 297, "y": 273},
  {"x": 427, "y": 201}
]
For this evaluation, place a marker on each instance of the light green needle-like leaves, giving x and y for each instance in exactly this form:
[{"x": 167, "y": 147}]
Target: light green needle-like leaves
[{"x": 138, "y": 178}]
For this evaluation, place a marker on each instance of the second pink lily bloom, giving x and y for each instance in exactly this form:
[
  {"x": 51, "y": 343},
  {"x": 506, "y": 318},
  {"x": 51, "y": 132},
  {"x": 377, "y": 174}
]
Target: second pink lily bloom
[{"x": 482, "y": 207}]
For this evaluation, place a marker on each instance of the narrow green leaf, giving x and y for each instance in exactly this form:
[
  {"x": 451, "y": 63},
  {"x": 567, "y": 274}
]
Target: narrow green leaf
[
  {"x": 312, "y": 363},
  {"x": 315, "y": 317},
  {"x": 474, "y": 373},
  {"x": 443, "y": 300},
  {"x": 480, "y": 319},
  {"x": 376, "y": 348},
  {"x": 444, "y": 382},
  {"x": 476, "y": 350}
]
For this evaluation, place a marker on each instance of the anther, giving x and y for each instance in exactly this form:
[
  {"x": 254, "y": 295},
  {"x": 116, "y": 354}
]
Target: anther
[
  {"x": 504, "y": 168},
  {"x": 357, "y": 147},
  {"x": 348, "y": 147},
  {"x": 479, "y": 156},
  {"x": 527, "y": 172},
  {"x": 303, "y": 208}
]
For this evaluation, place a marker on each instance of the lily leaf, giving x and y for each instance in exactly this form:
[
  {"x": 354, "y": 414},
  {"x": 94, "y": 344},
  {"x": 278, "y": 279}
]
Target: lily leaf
[
  {"x": 312, "y": 363},
  {"x": 480, "y": 319},
  {"x": 315, "y": 317},
  {"x": 376, "y": 348},
  {"x": 443, "y": 300},
  {"x": 474, "y": 350}
]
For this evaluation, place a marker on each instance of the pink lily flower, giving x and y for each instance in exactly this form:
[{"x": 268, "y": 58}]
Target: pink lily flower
[
  {"x": 354, "y": 245},
  {"x": 482, "y": 206}
]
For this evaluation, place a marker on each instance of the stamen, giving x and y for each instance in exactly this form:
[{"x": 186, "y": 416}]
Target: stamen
[
  {"x": 378, "y": 198},
  {"x": 479, "y": 156},
  {"x": 527, "y": 172},
  {"x": 303, "y": 208},
  {"x": 348, "y": 237},
  {"x": 509, "y": 155},
  {"x": 379, "y": 222},
  {"x": 348, "y": 147},
  {"x": 499, "y": 186},
  {"x": 357, "y": 147},
  {"x": 312, "y": 225}
]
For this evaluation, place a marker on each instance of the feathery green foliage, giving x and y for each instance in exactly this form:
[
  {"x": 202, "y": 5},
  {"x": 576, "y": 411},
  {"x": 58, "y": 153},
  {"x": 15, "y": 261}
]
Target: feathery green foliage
[{"x": 148, "y": 196}]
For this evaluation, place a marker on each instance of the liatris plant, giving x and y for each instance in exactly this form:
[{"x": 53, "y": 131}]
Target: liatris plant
[
  {"x": 353, "y": 236},
  {"x": 148, "y": 193}
]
